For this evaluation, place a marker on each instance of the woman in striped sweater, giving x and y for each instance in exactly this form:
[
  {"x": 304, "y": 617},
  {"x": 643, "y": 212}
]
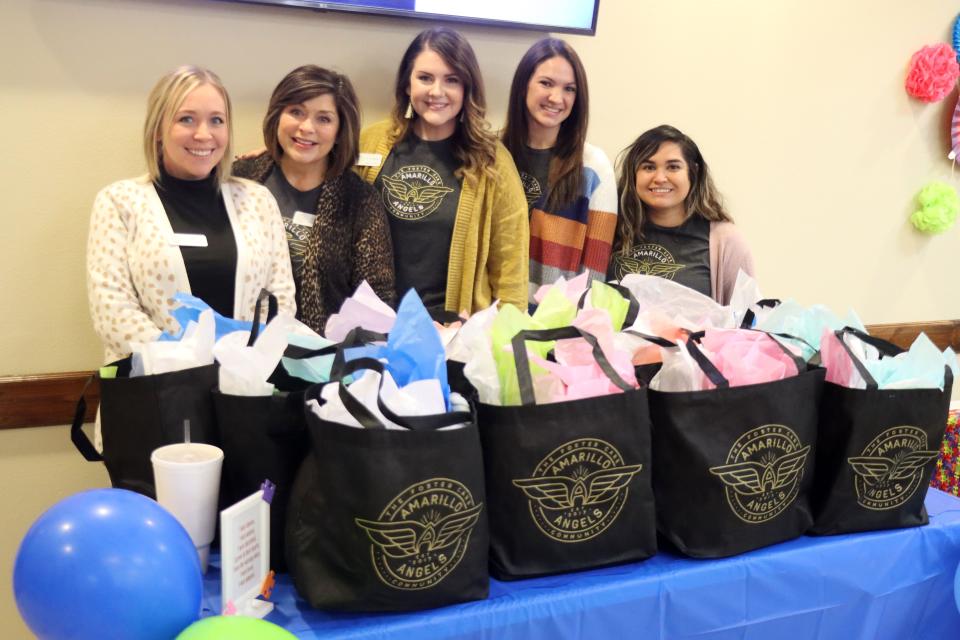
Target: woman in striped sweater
[{"x": 570, "y": 185}]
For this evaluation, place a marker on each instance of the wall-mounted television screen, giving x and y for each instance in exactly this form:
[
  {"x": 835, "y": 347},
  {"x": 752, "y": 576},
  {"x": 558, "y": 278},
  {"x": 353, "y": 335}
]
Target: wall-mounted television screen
[{"x": 568, "y": 16}]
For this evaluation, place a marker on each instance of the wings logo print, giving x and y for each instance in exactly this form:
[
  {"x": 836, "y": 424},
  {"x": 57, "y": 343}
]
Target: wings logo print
[
  {"x": 560, "y": 492},
  {"x": 753, "y": 478},
  {"x": 661, "y": 269},
  {"x": 876, "y": 470},
  {"x": 423, "y": 194},
  {"x": 406, "y": 538}
]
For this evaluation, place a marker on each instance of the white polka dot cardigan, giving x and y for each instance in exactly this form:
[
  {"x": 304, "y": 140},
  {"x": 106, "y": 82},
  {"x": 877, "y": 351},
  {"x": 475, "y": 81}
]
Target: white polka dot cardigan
[{"x": 134, "y": 269}]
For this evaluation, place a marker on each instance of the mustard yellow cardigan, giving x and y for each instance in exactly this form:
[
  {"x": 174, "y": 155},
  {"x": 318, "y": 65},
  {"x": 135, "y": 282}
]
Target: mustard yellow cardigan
[{"x": 490, "y": 245}]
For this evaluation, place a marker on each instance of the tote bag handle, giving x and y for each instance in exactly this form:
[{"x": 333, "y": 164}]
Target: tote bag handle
[
  {"x": 713, "y": 374},
  {"x": 272, "y": 308},
  {"x": 525, "y": 379},
  {"x": 368, "y": 420},
  {"x": 77, "y": 436},
  {"x": 750, "y": 316},
  {"x": 633, "y": 310},
  {"x": 887, "y": 349}
]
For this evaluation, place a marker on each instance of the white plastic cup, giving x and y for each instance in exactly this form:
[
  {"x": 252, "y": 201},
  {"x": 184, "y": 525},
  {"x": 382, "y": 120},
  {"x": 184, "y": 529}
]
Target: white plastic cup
[{"x": 187, "y": 477}]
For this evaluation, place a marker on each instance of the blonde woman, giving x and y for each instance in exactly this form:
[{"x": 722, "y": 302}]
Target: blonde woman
[
  {"x": 184, "y": 226},
  {"x": 453, "y": 197}
]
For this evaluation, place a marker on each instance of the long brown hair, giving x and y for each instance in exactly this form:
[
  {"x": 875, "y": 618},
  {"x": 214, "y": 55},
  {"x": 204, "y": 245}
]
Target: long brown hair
[
  {"x": 565, "y": 178},
  {"x": 306, "y": 83},
  {"x": 474, "y": 145},
  {"x": 704, "y": 199}
]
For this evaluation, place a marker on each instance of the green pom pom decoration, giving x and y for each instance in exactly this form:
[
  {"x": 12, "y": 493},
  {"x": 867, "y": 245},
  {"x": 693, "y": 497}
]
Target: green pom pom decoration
[{"x": 939, "y": 205}]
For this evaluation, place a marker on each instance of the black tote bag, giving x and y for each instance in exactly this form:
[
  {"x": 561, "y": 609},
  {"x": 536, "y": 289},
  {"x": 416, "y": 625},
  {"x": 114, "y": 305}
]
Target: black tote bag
[
  {"x": 877, "y": 450},
  {"x": 733, "y": 466},
  {"x": 138, "y": 415},
  {"x": 389, "y": 520},
  {"x": 568, "y": 483},
  {"x": 265, "y": 437}
]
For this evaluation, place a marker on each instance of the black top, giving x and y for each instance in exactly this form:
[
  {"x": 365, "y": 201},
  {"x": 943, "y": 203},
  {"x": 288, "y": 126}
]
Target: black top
[
  {"x": 534, "y": 167},
  {"x": 421, "y": 193},
  {"x": 681, "y": 254},
  {"x": 196, "y": 207},
  {"x": 291, "y": 200}
]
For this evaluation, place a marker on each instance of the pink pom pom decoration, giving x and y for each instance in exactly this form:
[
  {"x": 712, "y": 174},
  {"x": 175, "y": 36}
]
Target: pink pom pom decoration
[{"x": 933, "y": 73}]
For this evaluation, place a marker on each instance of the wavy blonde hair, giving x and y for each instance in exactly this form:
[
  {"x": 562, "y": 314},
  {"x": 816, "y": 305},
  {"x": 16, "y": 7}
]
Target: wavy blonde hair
[
  {"x": 166, "y": 97},
  {"x": 704, "y": 199},
  {"x": 474, "y": 144}
]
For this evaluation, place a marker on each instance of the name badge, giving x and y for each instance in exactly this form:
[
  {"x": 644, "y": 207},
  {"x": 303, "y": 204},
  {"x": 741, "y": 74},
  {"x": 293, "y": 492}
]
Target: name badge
[
  {"x": 304, "y": 219},
  {"x": 369, "y": 160},
  {"x": 188, "y": 240}
]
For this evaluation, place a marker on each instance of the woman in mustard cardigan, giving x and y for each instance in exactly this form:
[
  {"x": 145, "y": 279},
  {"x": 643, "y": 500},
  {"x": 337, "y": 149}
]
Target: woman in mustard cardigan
[{"x": 457, "y": 211}]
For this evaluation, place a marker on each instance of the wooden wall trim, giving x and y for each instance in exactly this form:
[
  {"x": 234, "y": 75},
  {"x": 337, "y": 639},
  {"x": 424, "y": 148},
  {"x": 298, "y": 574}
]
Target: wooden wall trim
[
  {"x": 50, "y": 399},
  {"x": 45, "y": 400}
]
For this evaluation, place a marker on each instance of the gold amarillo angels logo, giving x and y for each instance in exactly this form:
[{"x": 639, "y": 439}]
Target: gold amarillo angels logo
[
  {"x": 531, "y": 187},
  {"x": 421, "y": 536},
  {"x": 890, "y": 469},
  {"x": 649, "y": 260},
  {"x": 578, "y": 489},
  {"x": 763, "y": 472},
  {"x": 413, "y": 192}
]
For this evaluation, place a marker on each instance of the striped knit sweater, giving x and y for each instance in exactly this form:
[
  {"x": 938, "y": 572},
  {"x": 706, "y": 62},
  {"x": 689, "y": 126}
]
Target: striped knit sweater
[{"x": 578, "y": 237}]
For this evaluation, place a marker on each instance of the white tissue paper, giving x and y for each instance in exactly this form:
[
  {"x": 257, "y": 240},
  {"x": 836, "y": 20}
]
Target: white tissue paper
[
  {"x": 687, "y": 308},
  {"x": 420, "y": 398},
  {"x": 194, "y": 349},
  {"x": 363, "y": 309},
  {"x": 244, "y": 370}
]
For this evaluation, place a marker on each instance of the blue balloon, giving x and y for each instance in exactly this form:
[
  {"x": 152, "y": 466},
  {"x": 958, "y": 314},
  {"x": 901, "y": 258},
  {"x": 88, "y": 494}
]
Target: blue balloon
[
  {"x": 956, "y": 578},
  {"x": 107, "y": 563}
]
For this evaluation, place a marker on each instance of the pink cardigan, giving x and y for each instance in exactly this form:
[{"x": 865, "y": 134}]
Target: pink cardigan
[{"x": 728, "y": 254}]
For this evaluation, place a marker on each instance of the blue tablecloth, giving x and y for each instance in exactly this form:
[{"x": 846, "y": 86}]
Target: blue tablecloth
[{"x": 892, "y": 585}]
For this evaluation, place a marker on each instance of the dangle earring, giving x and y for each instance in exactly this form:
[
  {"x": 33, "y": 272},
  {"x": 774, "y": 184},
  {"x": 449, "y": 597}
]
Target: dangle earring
[{"x": 409, "y": 113}]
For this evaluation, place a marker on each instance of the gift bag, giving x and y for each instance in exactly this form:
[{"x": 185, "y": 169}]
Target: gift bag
[
  {"x": 877, "y": 449},
  {"x": 568, "y": 483},
  {"x": 140, "y": 414},
  {"x": 733, "y": 466},
  {"x": 388, "y": 520}
]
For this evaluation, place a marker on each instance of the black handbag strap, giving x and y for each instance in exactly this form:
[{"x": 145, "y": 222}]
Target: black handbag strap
[
  {"x": 443, "y": 316},
  {"x": 633, "y": 310},
  {"x": 885, "y": 348},
  {"x": 713, "y": 374},
  {"x": 77, "y": 436},
  {"x": 356, "y": 337},
  {"x": 524, "y": 377},
  {"x": 368, "y": 420},
  {"x": 709, "y": 369},
  {"x": 272, "y": 308},
  {"x": 750, "y": 316},
  {"x": 657, "y": 340}
]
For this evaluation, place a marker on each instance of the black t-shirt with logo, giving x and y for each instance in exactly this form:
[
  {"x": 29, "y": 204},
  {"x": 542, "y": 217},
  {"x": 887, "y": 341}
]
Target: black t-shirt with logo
[
  {"x": 681, "y": 254},
  {"x": 420, "y": 194},
  {"x": 291, "y": 200},
  {"x": 534, "y": 168}
]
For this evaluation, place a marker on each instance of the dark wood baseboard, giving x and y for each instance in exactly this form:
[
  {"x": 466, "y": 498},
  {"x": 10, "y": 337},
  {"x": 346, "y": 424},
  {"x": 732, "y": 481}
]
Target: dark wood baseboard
[{"x": 51, "y": 399}]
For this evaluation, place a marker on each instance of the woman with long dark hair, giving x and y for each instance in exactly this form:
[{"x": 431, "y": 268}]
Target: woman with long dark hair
[
  {"x": 569, "y": 184},
  {"x": 672, "y": 220},
  {"x": 452, "y": 194}
]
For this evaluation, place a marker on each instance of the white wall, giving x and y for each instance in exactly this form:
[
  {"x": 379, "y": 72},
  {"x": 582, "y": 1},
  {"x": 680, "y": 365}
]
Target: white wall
[{"x": 798, "y": 107}]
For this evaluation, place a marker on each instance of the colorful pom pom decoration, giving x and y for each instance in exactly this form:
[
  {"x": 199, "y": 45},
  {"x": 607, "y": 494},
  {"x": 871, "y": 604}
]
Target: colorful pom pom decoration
[
  {"x": 939, "y": 205},
  {"x": 933, "y": 73},
  {"x": 956, "y": 37}
]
